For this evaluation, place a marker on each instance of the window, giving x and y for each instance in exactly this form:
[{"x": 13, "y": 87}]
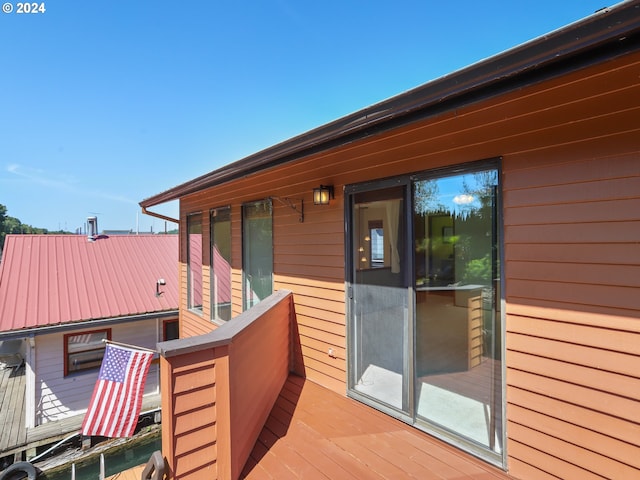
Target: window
[
  {"x": 84, "y": 350},
  {"x": 221, "y": 264},
  {"x": 376, "y": 239},
  {"x": 171, "y": 330},
  {"x": 257, "y": 252},
  {"x": 194, "y": 263}
]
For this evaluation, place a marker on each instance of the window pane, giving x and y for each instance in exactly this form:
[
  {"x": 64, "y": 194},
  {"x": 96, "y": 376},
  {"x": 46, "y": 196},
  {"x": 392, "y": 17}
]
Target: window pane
[
  {"x": 257, "y": 252},
  {"x": 194, "y": 262},
  {"x": 458, "y": 353},
  {"x": 171, "y": 330},
  {"x": 221, "y": 264},
  {"x": 85, "y": 350}
]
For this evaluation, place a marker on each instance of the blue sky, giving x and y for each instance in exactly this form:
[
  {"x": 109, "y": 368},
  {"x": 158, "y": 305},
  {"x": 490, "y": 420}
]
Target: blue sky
[{"x": 105, "y": 103}]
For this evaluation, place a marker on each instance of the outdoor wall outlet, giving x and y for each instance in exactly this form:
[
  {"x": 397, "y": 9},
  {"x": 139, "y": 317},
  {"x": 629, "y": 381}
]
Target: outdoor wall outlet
[{"x": 332, "y": 353}]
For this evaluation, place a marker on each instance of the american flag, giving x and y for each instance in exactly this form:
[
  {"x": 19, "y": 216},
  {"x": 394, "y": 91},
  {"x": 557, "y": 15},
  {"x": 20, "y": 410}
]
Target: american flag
[{"x": 117, "y": 396}]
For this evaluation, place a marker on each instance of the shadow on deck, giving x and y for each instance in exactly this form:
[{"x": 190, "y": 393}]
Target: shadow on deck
[{"x": 313, "y": 432}]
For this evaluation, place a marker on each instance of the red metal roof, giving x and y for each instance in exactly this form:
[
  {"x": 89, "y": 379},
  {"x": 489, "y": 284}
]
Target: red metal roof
[{"x": 48, "y": 280}]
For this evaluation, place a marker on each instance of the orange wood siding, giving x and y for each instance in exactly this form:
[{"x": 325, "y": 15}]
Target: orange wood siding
[
  {"x": 573, "y": 336},
  {"x": 217, "y": 395},
  {"x": 571, "y": 184},
  {"x": 189, "y": 429}
]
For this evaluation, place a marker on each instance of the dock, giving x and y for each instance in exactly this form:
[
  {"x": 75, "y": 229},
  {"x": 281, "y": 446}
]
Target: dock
[{"x": 21, "y": 442}]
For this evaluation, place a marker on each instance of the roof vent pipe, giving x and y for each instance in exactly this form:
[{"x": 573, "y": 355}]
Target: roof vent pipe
[{"x": 92, "y": 228}]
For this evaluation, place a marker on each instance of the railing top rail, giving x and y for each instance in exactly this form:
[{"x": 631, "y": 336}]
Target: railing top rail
[{"x": 224, "y": 334}]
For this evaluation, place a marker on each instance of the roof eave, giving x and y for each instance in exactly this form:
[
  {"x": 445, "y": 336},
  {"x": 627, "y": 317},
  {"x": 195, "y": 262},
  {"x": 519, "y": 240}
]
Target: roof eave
[
  {"x": 617, "y": 27},
  {"x": 93, "y": 323}
]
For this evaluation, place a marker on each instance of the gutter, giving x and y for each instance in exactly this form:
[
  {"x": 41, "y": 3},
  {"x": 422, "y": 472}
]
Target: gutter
[
  {"x": 606, "y": 34},
  {"x": 16, "y": 334},
  {"x": 160, "y": 216}
]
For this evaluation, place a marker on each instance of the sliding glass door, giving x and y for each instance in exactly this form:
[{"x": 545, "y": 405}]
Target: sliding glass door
[
  {"x": 380, "y": 298},
  {"x": 424, "y": 310},
  {"x": 458, "y": 381}
]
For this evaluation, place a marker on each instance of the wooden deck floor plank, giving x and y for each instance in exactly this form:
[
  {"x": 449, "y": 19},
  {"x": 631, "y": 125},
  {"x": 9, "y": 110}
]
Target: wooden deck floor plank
[
  {"x": 376, "y": 457},
  {"x": 276, "y": 467},
  {"x": 314, "y": 432},
  {"x": 450, "y": 458},
  {"x": 16, "y": 404},
  {"x": 330, "y": 458},
  {"x": 12, "y": 408},
  {"x": 255, "y": 471}
]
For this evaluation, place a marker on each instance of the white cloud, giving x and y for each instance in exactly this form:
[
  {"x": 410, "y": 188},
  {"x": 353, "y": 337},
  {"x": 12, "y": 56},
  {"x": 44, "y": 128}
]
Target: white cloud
[{"x": 463, "y": 199}]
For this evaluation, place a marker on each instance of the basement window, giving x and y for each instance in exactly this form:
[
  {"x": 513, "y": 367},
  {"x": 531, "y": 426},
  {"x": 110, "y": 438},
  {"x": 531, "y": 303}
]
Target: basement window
[{"x": 84, "y": 350}]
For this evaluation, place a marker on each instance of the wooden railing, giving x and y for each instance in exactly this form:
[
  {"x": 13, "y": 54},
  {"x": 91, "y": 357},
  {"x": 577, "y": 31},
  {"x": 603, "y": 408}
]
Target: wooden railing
[{"x": 219, "y": 388}]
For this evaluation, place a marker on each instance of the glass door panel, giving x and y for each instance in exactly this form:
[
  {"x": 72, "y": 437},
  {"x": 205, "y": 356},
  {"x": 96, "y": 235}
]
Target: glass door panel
[
  {"x": 379, "y": 298},
  {"x": 458, "y": 368},
  {"x": 257, "y": 252}
]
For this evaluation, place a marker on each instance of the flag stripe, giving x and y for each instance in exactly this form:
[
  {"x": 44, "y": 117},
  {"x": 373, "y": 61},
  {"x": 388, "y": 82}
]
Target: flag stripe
[{"x": 117, "y": 396}]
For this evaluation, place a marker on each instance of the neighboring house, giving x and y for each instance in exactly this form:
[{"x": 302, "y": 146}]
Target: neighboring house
[
  {"x": 474, "y": 272},
  {"x": 61, "y": 295}
]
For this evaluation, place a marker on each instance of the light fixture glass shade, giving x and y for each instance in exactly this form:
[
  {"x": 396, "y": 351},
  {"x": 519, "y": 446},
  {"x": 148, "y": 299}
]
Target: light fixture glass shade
[{"x": 322, "y": 195}]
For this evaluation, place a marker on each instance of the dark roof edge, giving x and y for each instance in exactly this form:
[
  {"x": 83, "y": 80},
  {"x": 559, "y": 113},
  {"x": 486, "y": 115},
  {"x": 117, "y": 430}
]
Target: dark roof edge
[
  {"x": 616, "y": 27},
  {"x": 85, "y": 324}
]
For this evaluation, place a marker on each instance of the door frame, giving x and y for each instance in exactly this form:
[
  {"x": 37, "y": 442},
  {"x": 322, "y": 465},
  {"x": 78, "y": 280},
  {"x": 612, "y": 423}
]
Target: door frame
[
  {"x": 407, "y": 181},
  {"x": 407, "y": 265}
]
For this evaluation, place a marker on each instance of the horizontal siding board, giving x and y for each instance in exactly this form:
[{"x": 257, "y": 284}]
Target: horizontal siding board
[
  {"x": 575, "y": 394},
  {"x": 576, "y": 273},
  {"x": 193, "y": 420},
  {"x": 572, "y": 295},
  {"x": 611, "y": 361},
  {"x": 597, "y": 232},
  {"x": 312, "y": 323},
  {"x": 524, "y": 470},
  {"x": 612, "y": 340},
  {"x": 193, "y": 379},
  {"x": 315, "y": 343},
  {"x": 572, "y": 213},
  {"x": 312, "y": 293},
  {"x": 193, "y": 465},
  {"x": 585, "y": 171},
  {"x": 306, "y": 261},
  {"x": 194, "y": 399},
  {"x": 593, "y": 463},
  {"x": 326, "y": 272},
  {"x": 542, "y": 463},
  {"x": 589, "y": 253},
  {"x": 321, "y": 336},
  {"x": 622, "y": 322},
  {"x": 590, "y": 377},
  {"x": 611, "y": 426},
  {"x": 578, "y": 192},
  {"x": 204, "y": 436}
]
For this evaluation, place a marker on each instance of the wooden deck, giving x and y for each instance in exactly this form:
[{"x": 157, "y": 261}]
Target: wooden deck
[
  {"x": 12, "y": 392},
  {"x": 131, "y": 474},
  {"x": 315, "y": 433}
]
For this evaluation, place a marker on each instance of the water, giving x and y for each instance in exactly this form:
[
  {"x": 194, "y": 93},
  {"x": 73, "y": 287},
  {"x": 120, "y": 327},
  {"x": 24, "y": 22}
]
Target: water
[{"x": 123, "y": 457}]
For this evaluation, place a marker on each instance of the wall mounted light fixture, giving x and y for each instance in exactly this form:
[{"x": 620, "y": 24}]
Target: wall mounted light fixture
[{"x": 323, "y": 194}]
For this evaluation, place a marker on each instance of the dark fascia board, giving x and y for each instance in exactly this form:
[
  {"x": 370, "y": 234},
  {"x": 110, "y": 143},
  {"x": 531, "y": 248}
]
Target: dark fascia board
[
  {"x": 606, "y": 34},
  {"x": 85, "y": 324}
]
